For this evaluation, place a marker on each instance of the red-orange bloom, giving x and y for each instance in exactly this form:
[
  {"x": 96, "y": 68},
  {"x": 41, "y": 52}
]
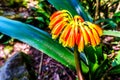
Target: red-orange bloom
[{"x": 73, "y": 31}]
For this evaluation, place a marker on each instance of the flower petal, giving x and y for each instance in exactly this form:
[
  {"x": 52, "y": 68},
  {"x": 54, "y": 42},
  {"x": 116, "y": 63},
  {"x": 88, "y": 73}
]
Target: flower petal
[
  {"x": 57, "y": 19},
  {"x": 85, "y": 35},
  {"x": 65, "y": 34},
  {"x": 57, "y": 13},
  {"x": 96, "y": 27},
  {"x": 96, "y": 36},
  {"x": 81, "y": 43},
  {"x": 58, "y": 29},
  {"x": 71, "y": 38},
  {"x": 91, "y": 37}
]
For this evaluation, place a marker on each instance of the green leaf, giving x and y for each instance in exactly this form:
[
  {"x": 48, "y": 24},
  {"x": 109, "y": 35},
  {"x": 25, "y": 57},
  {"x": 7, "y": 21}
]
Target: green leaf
[
  {"x": 95, "y": 59},
  {"x": 84, "y": 67},
  {"x": 117, "y": 14},
  {"x": 100, "y": 71},
  {"x": 90, "y": 54},
  {"x": 116, "y": 17},
  {"x": 109, "y": 23},
  {"x": 40, "y": 19},
  {"x": 63, "y": 4},
  {"x": 81, "y": 11},
  {"x": 37, "y": 39},
  {"x": 84, "y": 58},
  {"x": 1, "y": 36},
  {"x": 73, "y": 6},
  {"x": 99, "y": 53},
  {"x": 116, "y": 60},
  {"x": 111, "y": 33},
  {"x": 92, "y": 58},
  {"x": 114, "y": 70},
  {"x": 84, "y": 63}
]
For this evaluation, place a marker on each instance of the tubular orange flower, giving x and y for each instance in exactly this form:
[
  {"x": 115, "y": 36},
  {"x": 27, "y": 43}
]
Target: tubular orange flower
[
  {"x": 96, "y": 27},
  {"x": 77, "y": 19},
  {"x": 96, "y": 31},
  {"x": 73, "y": 31},
  {"x": 96, "y": 36},
  {"x": 66, "y": 35},
  {"x": 85, "y": 34},
  {"x": 57, "y": 29},
  {"x": 81, "y": 44},
  {"x": 56, "y": 20},
  {"x": 71, "y": 40},
  {"x": 90, "y": 34}
]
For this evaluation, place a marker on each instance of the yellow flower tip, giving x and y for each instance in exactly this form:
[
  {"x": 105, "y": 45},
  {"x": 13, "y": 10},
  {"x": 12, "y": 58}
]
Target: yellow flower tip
[
  {"x": 79, "y": 18},
  {"x": 81, "y": 43},
  {"x": 54, "y": 36}
]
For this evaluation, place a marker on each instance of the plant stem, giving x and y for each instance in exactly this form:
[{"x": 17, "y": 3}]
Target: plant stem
[
  {"x": 77, "y": 62},
  {"x": 97, "y": 9}
]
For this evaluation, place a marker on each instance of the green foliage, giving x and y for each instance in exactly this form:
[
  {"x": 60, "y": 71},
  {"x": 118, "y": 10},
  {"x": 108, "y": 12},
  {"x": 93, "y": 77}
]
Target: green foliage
[
  {"x": 16, "y": 3},
  {"x": 108, "y": 23},
  {"x": 114, "y": 70},
  {"x": 41, "y": 15},
  {"x": 116, "y": 60},
  {"x": 95, "y": 59},
  {"x": 116, "y": 17},
  {"x": 101, "y": 70}
]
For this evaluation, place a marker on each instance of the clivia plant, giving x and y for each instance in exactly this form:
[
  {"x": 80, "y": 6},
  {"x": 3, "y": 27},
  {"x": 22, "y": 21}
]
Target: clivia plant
[
  {"x": 75, "y": 41},
  {"x": 74, "y": 32}
]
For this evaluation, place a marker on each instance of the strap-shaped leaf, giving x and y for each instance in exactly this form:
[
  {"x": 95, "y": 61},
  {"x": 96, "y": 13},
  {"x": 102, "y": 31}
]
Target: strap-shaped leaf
[
  {"x": 63, "y": 4},
  {"x": 38, "y": 39},
  {"x": 74, "y": 6},
  {"x": 111, "y": 33}
]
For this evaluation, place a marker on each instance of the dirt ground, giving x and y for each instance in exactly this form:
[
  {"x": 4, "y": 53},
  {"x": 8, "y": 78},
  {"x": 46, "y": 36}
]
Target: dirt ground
[{"x": 45, "y": 67}]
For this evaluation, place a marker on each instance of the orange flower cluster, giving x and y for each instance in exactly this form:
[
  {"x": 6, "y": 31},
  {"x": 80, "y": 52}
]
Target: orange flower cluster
[{"x": 74, "y": 30}]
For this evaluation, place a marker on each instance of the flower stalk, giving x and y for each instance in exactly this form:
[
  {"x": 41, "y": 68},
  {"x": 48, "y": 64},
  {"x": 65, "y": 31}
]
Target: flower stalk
[{"x": 77, "y": 63}]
